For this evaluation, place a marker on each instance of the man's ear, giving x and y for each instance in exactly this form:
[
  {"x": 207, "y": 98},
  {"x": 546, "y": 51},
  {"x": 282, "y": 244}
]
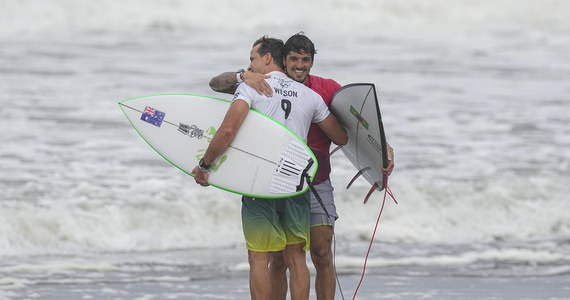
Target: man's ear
[{"x": 267, "y": 58}]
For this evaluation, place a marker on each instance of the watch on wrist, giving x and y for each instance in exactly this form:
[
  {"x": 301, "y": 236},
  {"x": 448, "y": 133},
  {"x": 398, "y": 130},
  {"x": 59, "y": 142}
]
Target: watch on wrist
[
  {"x": 238, "y": 75},
  {"x": 202, "y": 164}
]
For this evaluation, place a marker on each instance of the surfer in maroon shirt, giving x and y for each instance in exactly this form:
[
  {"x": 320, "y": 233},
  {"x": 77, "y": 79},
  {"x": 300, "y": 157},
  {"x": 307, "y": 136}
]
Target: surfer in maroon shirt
[{"x": 299, "y": 54}]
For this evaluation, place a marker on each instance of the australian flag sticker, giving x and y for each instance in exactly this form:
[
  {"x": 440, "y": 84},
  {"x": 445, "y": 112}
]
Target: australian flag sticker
[{"x": 152, "y": 116}]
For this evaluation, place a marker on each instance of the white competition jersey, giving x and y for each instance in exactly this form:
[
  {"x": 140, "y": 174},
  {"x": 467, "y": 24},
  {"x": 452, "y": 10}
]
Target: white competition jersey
[{"x": 292, "y": 104}]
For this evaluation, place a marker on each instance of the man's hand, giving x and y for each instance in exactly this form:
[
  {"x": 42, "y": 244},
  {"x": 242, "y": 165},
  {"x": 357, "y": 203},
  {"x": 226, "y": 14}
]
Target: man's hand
[
  {"x": 388, "y": 170},
  {"x": 257, "y": 82},
  {"x": 200, "y": 176}
]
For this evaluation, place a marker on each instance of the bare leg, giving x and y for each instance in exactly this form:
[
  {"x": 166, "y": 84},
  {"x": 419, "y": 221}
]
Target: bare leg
[
  {"x": 259, "y": 279},
  {"x": 321, "y": 255},
  {"x": 278, "y": 270},
  {"x": 300, "y": 278}
]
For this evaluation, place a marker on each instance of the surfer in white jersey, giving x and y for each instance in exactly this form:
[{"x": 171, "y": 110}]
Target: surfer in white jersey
[
  {"x": 292, "y": 104},
  {"x": 271, "y": 225}
]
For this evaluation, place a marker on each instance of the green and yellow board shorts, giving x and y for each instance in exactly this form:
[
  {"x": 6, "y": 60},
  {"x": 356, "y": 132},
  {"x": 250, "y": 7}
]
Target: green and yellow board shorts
[{"x": 272, "y": 224}]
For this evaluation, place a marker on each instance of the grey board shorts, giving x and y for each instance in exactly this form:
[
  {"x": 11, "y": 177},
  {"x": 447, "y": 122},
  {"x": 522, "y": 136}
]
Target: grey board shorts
[{"x": 318, "y": 215}]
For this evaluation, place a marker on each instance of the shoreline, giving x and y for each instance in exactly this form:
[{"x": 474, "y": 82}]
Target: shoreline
[{"x": 143, "y": 280}]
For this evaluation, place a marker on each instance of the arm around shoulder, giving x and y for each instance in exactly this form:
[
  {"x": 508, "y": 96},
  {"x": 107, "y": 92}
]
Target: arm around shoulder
[{"x": 227, "y": 82}]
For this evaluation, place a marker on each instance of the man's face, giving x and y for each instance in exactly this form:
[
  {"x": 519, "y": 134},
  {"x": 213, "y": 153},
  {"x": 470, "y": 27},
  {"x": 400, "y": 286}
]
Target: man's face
[
  {"x": 256, "y": 61},
  {"x": 298, "y": 65}
]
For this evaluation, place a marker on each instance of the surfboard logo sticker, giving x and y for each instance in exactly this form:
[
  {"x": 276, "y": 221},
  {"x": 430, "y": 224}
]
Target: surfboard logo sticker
[
  {"x": 152, "y": 116},
  {"x": 191, "y": 130},
  {"x": 374, "y": 143},
  {"x": 359, "y": 117}
]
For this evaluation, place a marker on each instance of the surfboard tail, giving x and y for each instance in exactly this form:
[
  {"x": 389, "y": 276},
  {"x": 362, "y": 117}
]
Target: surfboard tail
[
  {"x": 386, "y": 189},
  {"x": 291, "y": 169},
  {"x": 377, "y": 186}
]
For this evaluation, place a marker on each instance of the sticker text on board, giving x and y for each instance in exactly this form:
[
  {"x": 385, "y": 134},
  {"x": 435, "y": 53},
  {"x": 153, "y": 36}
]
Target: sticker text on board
[{"x": 191, "y": 130}]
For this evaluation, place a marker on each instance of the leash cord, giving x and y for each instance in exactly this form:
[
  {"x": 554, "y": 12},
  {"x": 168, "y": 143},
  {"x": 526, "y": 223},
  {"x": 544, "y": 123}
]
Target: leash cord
[{"x": 387, "y": 191}]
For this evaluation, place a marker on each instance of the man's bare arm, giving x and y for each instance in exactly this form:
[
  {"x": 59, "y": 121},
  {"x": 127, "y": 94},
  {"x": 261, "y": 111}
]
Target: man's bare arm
[
  {"x": 227, "y": 82},
  {"x": 227, "y": 130},
  {"x": 224, "y": 83},
  {"x": 220, "y": 142},
  {"x": 331, "y": 127}
]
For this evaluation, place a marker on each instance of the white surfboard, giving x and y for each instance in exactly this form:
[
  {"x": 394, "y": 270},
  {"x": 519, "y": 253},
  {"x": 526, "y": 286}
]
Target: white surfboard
[
  {"x": 264, "y": 160},
  {"x": 356, "y": 108}
]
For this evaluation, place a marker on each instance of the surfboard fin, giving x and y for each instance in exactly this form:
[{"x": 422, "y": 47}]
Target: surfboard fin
[
  {"x": 372, "y": 189},
  {"x": 335, "y": 150},
  {"x": 356, "y": 176},
  {"x": 385, "y": 187}
]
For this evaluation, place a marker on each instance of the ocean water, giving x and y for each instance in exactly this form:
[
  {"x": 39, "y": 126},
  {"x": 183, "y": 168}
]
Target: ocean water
[{"x": 474, "y": 97}]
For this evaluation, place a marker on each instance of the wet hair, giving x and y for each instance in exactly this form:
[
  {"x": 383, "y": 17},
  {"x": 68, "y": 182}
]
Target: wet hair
[
  {"x": 299, "y": 43},
  {"x": 272, "y": 46}
]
